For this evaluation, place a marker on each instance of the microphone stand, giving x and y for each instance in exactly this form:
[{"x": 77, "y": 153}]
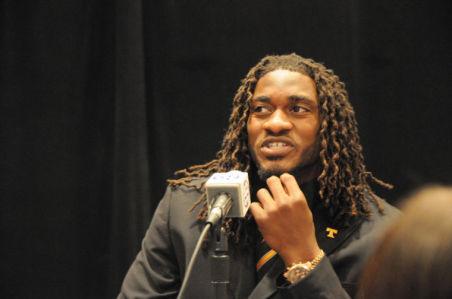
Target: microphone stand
[{"x": 219, "y": 262}]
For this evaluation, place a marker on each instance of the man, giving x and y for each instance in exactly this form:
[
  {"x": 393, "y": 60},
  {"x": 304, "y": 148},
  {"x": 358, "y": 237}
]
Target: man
[{"x": 314, "y": 215}]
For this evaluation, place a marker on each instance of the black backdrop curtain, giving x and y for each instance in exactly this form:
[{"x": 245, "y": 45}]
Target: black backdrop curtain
[{"x": 100, "y": 101}]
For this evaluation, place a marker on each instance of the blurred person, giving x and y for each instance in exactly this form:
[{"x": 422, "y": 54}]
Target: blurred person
[{"x": 414, "y": 258}]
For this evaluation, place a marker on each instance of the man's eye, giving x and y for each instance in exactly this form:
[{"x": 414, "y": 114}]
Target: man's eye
[
  {"x": 298, "y": 109},
  {"x": 260, "y": 109}
]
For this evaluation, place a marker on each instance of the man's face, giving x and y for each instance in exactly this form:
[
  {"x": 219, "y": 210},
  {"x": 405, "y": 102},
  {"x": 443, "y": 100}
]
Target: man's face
[{"x": 284, "y": 122}]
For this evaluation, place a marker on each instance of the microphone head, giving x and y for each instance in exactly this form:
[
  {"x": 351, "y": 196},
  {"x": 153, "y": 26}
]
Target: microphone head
[{"x": 236, "y": 184}]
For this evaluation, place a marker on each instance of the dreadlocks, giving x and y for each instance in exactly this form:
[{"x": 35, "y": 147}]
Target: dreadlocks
[{"x": 344, "y": 180}]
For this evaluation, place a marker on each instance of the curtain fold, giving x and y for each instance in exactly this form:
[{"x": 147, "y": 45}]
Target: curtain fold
[{"x": 131, "y": 207}]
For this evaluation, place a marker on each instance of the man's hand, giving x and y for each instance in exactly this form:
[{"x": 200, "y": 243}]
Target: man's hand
[{"x": 285, "y": 220}]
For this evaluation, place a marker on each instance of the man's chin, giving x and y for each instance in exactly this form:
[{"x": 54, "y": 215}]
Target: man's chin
[
  {"x": 302, "y": 172},
  {"x": 265, "y": 173}
]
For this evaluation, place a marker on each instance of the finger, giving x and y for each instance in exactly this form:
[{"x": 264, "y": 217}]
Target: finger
[
  {"x": 265, "y": 198},
  {"x": 257, "y": 210},
  {"x": 276, "y": 188},
  {"x": 291, "y": 185}
]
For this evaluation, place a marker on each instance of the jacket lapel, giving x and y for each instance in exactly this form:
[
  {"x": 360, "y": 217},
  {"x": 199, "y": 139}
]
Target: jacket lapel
[{"x": 329, "y": 236}]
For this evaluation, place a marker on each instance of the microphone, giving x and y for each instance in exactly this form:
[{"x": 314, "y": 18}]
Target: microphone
[{"x": 228, "y": 194}]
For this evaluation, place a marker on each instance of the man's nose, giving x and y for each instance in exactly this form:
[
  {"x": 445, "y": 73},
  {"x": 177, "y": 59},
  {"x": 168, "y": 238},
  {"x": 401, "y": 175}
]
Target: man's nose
[{"x": 278, "y": 122}]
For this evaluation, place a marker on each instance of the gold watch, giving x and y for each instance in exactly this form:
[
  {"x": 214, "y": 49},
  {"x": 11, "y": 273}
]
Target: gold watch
[{"x": 297, "y": 271}]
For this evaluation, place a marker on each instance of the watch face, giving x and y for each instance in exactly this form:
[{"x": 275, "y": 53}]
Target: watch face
[
  {"x": 297, "y": 272},
  {"x": 300, "y": 270},
  {"x": 305, "y": 267}
]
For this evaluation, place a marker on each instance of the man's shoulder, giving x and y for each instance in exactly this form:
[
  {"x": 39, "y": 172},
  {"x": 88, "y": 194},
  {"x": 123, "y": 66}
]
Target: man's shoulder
[
  {"x": 184, "y": 195},
  {"x": 379, "y": 219},
  {"x": 387, "y": 210},
  {"x": 195, "y": 185}
]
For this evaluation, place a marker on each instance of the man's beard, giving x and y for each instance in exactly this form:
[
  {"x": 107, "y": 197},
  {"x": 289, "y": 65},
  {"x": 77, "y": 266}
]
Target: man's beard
[{"x": 298, "y": 171}]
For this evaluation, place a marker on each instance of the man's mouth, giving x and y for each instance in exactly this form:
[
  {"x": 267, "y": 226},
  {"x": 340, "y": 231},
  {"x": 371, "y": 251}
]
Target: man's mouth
[
  {"x": 276, "y": 144},
  {"x": 276, "y": 148}
]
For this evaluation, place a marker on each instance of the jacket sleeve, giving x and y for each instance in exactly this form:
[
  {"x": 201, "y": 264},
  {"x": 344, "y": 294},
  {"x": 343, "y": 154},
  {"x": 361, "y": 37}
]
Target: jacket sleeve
[{"x": 154, "y": 273}]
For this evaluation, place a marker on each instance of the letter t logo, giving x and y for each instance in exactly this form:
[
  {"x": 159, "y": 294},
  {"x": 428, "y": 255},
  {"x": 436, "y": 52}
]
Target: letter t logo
[{"x": 331, "y": 232}]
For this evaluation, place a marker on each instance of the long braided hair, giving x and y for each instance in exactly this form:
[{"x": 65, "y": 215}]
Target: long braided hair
[{"x": 344, "y": 180}]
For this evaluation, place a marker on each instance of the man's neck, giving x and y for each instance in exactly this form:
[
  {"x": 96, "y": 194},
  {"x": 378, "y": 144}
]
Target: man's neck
[{"x": 309, "y": 187}]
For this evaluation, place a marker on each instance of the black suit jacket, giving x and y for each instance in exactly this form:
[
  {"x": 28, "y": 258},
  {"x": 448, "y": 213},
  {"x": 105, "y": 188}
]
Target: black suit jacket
[{"x": 159, "y": 267}]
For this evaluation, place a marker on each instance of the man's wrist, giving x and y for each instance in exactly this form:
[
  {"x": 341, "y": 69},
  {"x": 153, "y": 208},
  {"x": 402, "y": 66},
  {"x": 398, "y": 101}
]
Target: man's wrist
[{"x": 299, "y": 254}]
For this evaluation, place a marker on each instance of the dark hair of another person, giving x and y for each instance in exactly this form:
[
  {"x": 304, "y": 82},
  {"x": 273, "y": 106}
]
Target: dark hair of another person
[
  {"x": 414, "y": 258},
  {"x": 344, "y": 180}
]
